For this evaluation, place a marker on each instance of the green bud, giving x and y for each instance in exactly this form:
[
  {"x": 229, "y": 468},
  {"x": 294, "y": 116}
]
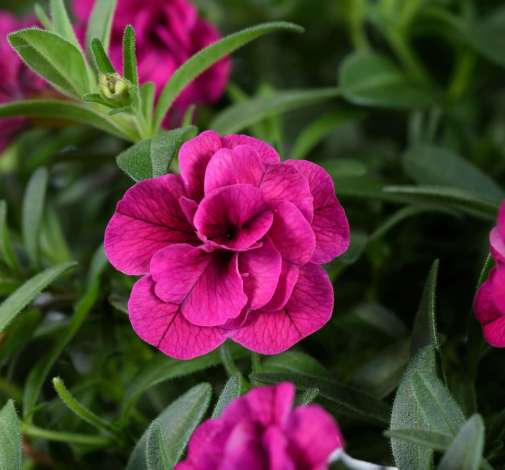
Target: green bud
[{"x": 114, "y": 88}]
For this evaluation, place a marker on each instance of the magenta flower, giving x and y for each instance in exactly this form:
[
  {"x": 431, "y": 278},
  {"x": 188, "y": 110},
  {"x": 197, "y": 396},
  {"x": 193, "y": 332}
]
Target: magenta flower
[
  {"x": 261, "y": 431},
  {"x": 231, "y": 248},
  {"x": 168, "y": 33},
  {"x": 18, "y": 81},
  {"x": 489, "y": 303}
]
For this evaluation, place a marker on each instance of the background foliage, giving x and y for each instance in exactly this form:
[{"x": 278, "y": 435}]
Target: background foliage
[{"x": 403, "y": 103}]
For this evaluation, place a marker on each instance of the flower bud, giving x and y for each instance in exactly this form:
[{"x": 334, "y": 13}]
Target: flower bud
[{"x": 114, "y": 88}]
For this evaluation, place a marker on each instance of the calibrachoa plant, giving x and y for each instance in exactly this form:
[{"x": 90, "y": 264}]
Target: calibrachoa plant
[
  {"x": 231, "y": 248},
  {"x": 181, "y": 286}
]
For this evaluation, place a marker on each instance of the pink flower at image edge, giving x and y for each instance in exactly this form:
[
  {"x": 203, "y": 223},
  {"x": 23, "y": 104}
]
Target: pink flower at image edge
[
  {"x": 231, "y": 248},
  {"x": 167, "y": 34},
  {"x": 489, "y": 305},
  {"x": 262, "y": 430}
]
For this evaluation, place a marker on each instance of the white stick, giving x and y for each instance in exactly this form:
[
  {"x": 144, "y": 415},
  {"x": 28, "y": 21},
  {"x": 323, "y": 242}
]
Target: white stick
[{"x": 354, "y": 464}]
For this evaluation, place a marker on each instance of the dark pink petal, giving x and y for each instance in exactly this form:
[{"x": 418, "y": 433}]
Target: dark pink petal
[
  {"x": 313, "y": 436},
  {"x": 243, "y": 449},
  {"x": 309, "y": 308},
  {"x": 291, "y": 233},
  {"x": 260, "y": 269},
  {"x": 283, "y": 182},
  {"x": 264, "y": 405},
  {"x": 267, "y": 153},
  {"x": 498, "y": 288},
  {"x": 497, "y": 244},
  {"x": 194, "y": 156},
  {"x": 207, "y": 285},
  {"x": 234, "y": 217},
  {"x": 484, "y": 305},
  {"x": 163, "y": 326},
  {"x": 287, "y": 282},
  {"x": 242, "y": 165},
  {"x": 147, "y": 219},
  {"x": 276, "y": 445},
  {"x": 188, "y": 207},
  {"x": 494, "y": 332},
  {"x": 330, "y": 222}
]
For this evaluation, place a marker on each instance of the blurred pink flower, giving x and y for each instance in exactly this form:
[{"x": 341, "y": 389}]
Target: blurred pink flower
[
  {"x": 231, "y": 248},
  {"x": 489, "y": 303},
  {"x": 261, "y": 431},
  {"x": 168, "y": 33},
  {"x": 18, "y": 81}
]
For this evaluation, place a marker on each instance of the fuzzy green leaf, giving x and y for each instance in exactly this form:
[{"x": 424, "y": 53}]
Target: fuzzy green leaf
[
  {"x": 100, "y": 22},
  {"x": 231, "y": 391},
  {"x": 10, "y": 438}
]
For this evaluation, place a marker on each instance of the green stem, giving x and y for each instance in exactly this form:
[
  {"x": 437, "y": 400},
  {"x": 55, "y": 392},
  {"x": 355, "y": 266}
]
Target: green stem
[
  {"x": 57, "y": 436},
  {"x": 462, "y": 74},
  {"x": 83, "y": 412},
  {"x": 356, "y": 25},
  {"x": 255, "y": 362}
]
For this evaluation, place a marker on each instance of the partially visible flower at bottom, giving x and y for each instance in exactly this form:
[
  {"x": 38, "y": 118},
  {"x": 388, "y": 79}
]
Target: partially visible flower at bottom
[
  {"x": 489, "y": 305},
  {"x": 18, "y": 81},
  {"x": 262, "y": 431}
]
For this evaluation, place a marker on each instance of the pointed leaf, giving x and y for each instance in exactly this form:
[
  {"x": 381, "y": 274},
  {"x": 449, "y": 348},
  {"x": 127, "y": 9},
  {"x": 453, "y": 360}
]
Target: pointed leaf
[
  {"x": 231, "y": 391},
  {"x": 6, "y": 249},
  {"x": 102, "y": 61},
  {"x": 420, "y": 437},
  {"x": 61, "y": 23},
  {"x": 129, "y": 56},
  {"x": 207, "y": 57},
  {"x": 10, "y": 438},
  {"x": 17, "y": 301},
  {"x": 100, "y": 22}
]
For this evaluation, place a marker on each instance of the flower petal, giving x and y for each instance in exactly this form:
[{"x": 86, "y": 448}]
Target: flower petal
[
  {"x": 330, "y": 223},
  {"x": 484, "y": 305},
  {"x": 207, "y": 285},
  {"x": 313, "y": 436},
  {"x": 194, "y": 156},
  {"x": 147, "y": 219},
  {"x": 277, "y": 446},
  {"x": 287, "y": 281},
  {"x": 163, "y": 326},
  {"x": 309, "y": 308},
  {"x": 291, "y": 233},
  {"x": 284, "y": 182},
  {"x": 242, "y": 165},
  {"x": 233, "y": 217},
  {"x": 267, "y": 153},
  {"x": 497, "y": 244},
  {"x": 494, "y": 332},
  {"x": 260, "y": 269}
]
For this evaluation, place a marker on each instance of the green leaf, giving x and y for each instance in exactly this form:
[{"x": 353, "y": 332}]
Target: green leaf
[
  {"x": 321, "y": 128},
  {"x": 342, "y": 398},
  {"x": 369, "y": 79},
  {"x": 150, "y": 158},
  {"x": 42, "y": 17},
  {"x": 54, "y": 58},
  {"x": 249, "y": 112},
  {"x": 164, "y": 441},
  {"x": 147, "y": 97},
  {"x": 41, "y": 369},
  {"x": 17, "y": 301},
  {"x": 420, "y": 437},
  {"x": 232, "y": 390},
  {"x": 59, "y": 109},
  {"x": 425, "y": 325},
  {"x": 102, "y": 61},
  {"x": 465, "y": 452},
  {"x": 129, "y": 56},
  {"x": 33, "y": 208},
  {"x": 407, "y": 414},
  {"x": 6, "y": 249},
  {"x": 100, "y": 22},
  {"x": 61, "y": 23},
  {"x": 487, "y": 35},
  {"x": 438, "y": 166},
  {"x": 10, "y": 438},
  {"x": 295, "y": 362},
  {"x": 162, "y": 369},
  {"x": 207, "y": 57}
]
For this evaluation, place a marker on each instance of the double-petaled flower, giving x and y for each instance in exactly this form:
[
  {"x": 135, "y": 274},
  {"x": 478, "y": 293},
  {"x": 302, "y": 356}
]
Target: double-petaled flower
[{"x": 231, "y": 248}]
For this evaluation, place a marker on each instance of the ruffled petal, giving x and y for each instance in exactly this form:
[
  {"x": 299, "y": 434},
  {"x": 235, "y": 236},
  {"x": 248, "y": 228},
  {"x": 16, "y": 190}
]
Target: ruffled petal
[
  {"x": 267, "y": 153},
  {"x": 494, "y": 332},
  {"x": 287, "y": 281},
  {"x": 309, "y": 308},
  {"x": 194, "y": 156},
  {"x": 260, "y": 269},
  {"x": 147, "y": 219},
  {"x": 291, "y": 233},
  {"x": 484, "y": 306},
  {"x": 313, "y": 436},
  {"x": 234, "y": 217},
  {"x": 208, "y": 286},
  {"x": 283, "y": 182},
  {"x": 330, "y": 223},
  {"x": 163, "y": 326},
  {"x": 277, "y": 447},
  {"x": 242, "y": 165}
]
